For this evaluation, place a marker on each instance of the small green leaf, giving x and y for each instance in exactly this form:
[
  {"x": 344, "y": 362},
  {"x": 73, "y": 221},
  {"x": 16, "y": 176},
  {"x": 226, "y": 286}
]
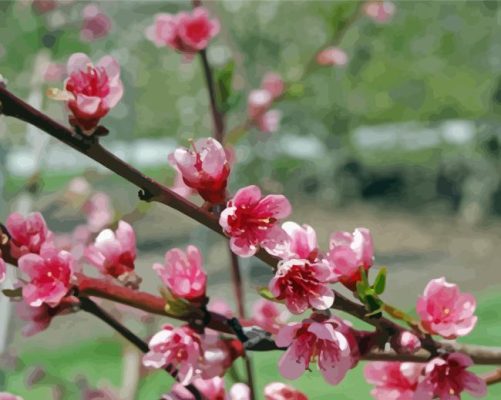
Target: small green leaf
[
  {"x": 372, "y": 302},
  {"x": 361, "y": 288},
  {"x": 265, "y": 293},
  {"x": 175, "y": 306},
  {"x": 295, "y": 90},
  {"x": 380, "y": 281},
  {"x": 363, "y": 275},
  {"x": 224, "y": 80}
]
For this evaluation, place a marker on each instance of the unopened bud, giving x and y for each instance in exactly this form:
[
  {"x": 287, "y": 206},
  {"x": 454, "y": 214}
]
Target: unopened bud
[{"x": 405, "y": 343}]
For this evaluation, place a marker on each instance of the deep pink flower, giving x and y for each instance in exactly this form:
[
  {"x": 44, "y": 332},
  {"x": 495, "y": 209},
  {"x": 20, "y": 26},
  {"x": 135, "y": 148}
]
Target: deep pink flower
[
  {"x": 9, "y": 396},
  {"x": 114, "y": 253},
  {"x": 185, "y": 32},
  {"x": 183, "y": 273},
  {"x": 281, "y": 391},
  {"x": 90, "y": 91},
  {"x": 205, "y": 168},
  {"x": 311, "y": 341},
  {"x": 302, "y": 284},
  {"x": 178, "y": 347},
  {"x": 274, "y": 84},
  {"x": 266, "y": 315},
  {"x": 99, "y": 211},
  {"x": 381, "y": 11},
  {"x": 28, "y": 234},
  {"x": 258, "y": 102},
  {"x": 3, "y": 269},
  {"x": 269, "y": 122},
  {"x": 393, "y": 380},
  {"x": 445, "y": 311},
  {"x": 332, "y": 56},
  {"x": 37, "y": 318},
  {"x": 347, "y": 253},
  {"x": 96, "y": 24},
  {"x": 251, "y": 220},
  {"x": 446, "y": 378},
  {"x": 50, "y": 276}
]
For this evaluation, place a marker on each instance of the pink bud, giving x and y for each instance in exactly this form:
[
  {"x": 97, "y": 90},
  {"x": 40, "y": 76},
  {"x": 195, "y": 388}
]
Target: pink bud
[
  {"x": 183, "y": 274},
  {"x": 28, "y": 234},
  {"x": 250, "y": 220},
  {"x": 445, "y": 311},
  {"x": 96, "y": 24},
  {"x": 269, "y": 122},
  {"x": 258, "y": 102},
  {"x": 332, "y": 56},
  {"x": 393, "y": 380},
  {"x": 405, "y": 342},
  {"x": 281, "y": 391},
  {"x": 274, "y": 84},
  {"x": 381, "y": 11}
]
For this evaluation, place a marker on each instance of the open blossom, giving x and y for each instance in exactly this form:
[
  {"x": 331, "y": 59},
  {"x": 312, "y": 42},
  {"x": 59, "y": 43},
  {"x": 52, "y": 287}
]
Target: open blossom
[
  {"x": 447, "y": 377},
  {"x": 445, "y": 311},
  {"x": 96, "y": 24},
  {"x": 205, "y": 168},
  {"x": 267, "y": 315},
  {"x": 347, "y": 253},
  {"x": 28, "y": 234},
  {"x": 183, "y": 273},
  {"x": 281, "y": 391},
  {"x": 381, "y": 11},
  {"x": 177, "y": 347},
  {"x": 185, "y": 32},
  {"x": 251, "y": 220},
  {"x": 301, "y": 242},
  {"x": 50, "y": 276},
  {"x": 309, "y": 341},
  {"x": 37, "y": 318},
  {"x": 393, "y": 380},
  {"x": 90, "y": 90},
  {"x": 273, "y": 84},
  {"x": 113, "y": 253},
  {"x": 332, "y": 56},
  {"x": 302, "y": 284}
]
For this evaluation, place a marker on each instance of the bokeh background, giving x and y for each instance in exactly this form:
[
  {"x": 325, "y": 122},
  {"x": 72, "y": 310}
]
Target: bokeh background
[{"x": 405, "y": 140}]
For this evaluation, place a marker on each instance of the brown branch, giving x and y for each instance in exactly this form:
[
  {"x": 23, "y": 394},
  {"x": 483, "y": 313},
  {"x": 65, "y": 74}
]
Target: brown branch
[{"x": 492, "y": 377}]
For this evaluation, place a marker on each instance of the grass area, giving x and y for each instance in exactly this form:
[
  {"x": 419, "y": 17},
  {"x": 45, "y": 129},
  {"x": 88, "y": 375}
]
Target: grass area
[{"x": 99, "y": 360}]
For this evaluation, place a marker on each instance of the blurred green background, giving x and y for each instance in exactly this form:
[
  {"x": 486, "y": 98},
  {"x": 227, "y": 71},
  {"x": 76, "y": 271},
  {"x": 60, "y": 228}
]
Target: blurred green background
[{"x": 405, "y": 140}]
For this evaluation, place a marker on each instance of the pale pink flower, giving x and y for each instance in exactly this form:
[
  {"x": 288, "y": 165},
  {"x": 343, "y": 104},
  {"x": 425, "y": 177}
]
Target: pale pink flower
[
  {"x": 269, "y": 122},
  {"x": 447, "y": 377},
  {"x": 9, "y": 396},
  {"x": 302, "y": 284},
  {"x": 301, "y": 242},
  {"x": 3, "y": 269},
  {"x": 181, "y": 188},
  {"x": 251, "y": 220},
  {"x": 50, "y": 276},
  {"x": 332, "y": 56},
  {"x": 177, "y": 347},
  {"x": 445, "y": 311},
  {"x": 281, "y": 391},
  {"x": 239, "y": 391},
  {"x": 96, "y": 24},
  {"x": 90, "y": 91},
  {"x": 114, "y": 253},
  {"x": 274, "y": 84},
  {"x": 99, "y": 211},
  {"x": 205, "y": 168},
  {"x": 310, "y": 341},
  {"x": 37, "y": 318},
  {"x": 348, "y": 252},
  {"x": 258, "y": 102},
  {"x": 183, "y": 273},
  {"x": 220, "y": 306},
  {"x": 28, "y": 234},
  {"x": 267, "y": 315},
  {"x": 217, "y": 354},
  {"x": 393, "y": 380},
  {"x": 211, "y": 389},
  {"x": 405, "y": 342},
  {"x": 381, "y": 11},
  {"x": 185, "y": 32}
]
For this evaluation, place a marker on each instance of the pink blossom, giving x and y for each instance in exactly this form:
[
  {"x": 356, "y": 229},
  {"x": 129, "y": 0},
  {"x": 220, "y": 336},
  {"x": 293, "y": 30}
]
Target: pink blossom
[
  {"x": 251, "y": 220},
  {"x": 114, "y": 253},
  {"x": 302, "y": 284},
  {"x": 177, "y": 347},
  {"x": 50, "y": 275},
  {"x": 185, "y": 32},
  {"x": 210, "y": 388},
  {"x": 274, "y": 84},
  {"x": 9, "y": 396},
  {"x": 37, "y": 318},
  {"x": 28, "y": 234},
  {"x": 269, "y": 122},
  {"x": 217, "y": 354},
  {"x": 99, "y": 211},
  {"x": 332, "y": 56},
  {"x": 445, "y": 311},
  {"x": 258, "y": 102},
  {"x": 446, "y": 378},
  {"x": 405, "y": 342},
  {"x": 301, "y": 242},
  {"x": 181, "y": 188},
  {"x": 3, "y": 269},
  {"x": 393, "y": 380},
  {"x": 310, "y": 341},
  {"x": 281, "y": 391},
  {"x": 96, "y": 24},
  {"x": 347, "y": 253},
  {"x": 183, "y": 273},
  {"x": 266, "y": 315},
  {"x": 90, "y": 91},
  {"x": 381, "y": 11},
  {"x": 205, "y": 168},
  {"x": 220, "y": 306}
]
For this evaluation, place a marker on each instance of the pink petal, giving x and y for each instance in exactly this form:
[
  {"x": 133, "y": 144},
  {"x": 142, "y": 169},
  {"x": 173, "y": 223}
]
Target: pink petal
[
  {"x": 126, "y": 236},
  {"x": 275, "y": 205},
  {"x": 248, "y": 195},
  {"x": 323, "y": 299},
  {"x": 87, "y": 104},
  {"x": 31, "y": 264},
  {"x": 3, "y": 270},
  {"x": 286, "y": 334},
  {"x": 290, "y": 365},
  {"x": 77, "y": 62},
  {"x": 474, "y": 385},
  {"x": 241, "y": 247},
  {"x": 111, "y": 66}
]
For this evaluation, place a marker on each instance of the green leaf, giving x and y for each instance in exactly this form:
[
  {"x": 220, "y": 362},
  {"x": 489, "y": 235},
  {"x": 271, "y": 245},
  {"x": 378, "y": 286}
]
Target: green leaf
[
  {"x": 372, "y": 302},
  {"x": 380, "y": 281},
  {"x": 363, "y": 275},
  {"x": 361, "y": 288},
  {"x": 265, "y": 293},
  {"x": 175, "y": 306},
  {"x": 223, "y": 81}
]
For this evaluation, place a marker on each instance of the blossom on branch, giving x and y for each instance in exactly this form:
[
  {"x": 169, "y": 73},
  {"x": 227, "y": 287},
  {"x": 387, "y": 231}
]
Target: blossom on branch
[
  {"x": 281, "y": 391},
  {"x": 185, "y": 32},
  {"x": 27, "y": 234},
  {"x": 205, "y": 168},
  {"x": 260, "y": 100},
  {"x": 250, "y": 220},
  {"x": 90, "y": 91},
  {"x": 50, "y": 276},
  {"x": 333, "y": 56},
  {"x": 183, "y": 273},
  {"x": 212, "y": 389},
  {"x": 445, "y": 311},
  {"x": 380, "y": 11},
  {"x": 267, "y": 316},
  {"x": 393, "y": 380},
  {"x": 114, "y": 253},
  {"x": 217, "y": 354}
]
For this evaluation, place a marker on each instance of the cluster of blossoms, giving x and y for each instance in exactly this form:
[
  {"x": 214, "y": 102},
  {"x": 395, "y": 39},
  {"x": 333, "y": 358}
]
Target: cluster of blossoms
[{"x": 260, "y": 100}]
